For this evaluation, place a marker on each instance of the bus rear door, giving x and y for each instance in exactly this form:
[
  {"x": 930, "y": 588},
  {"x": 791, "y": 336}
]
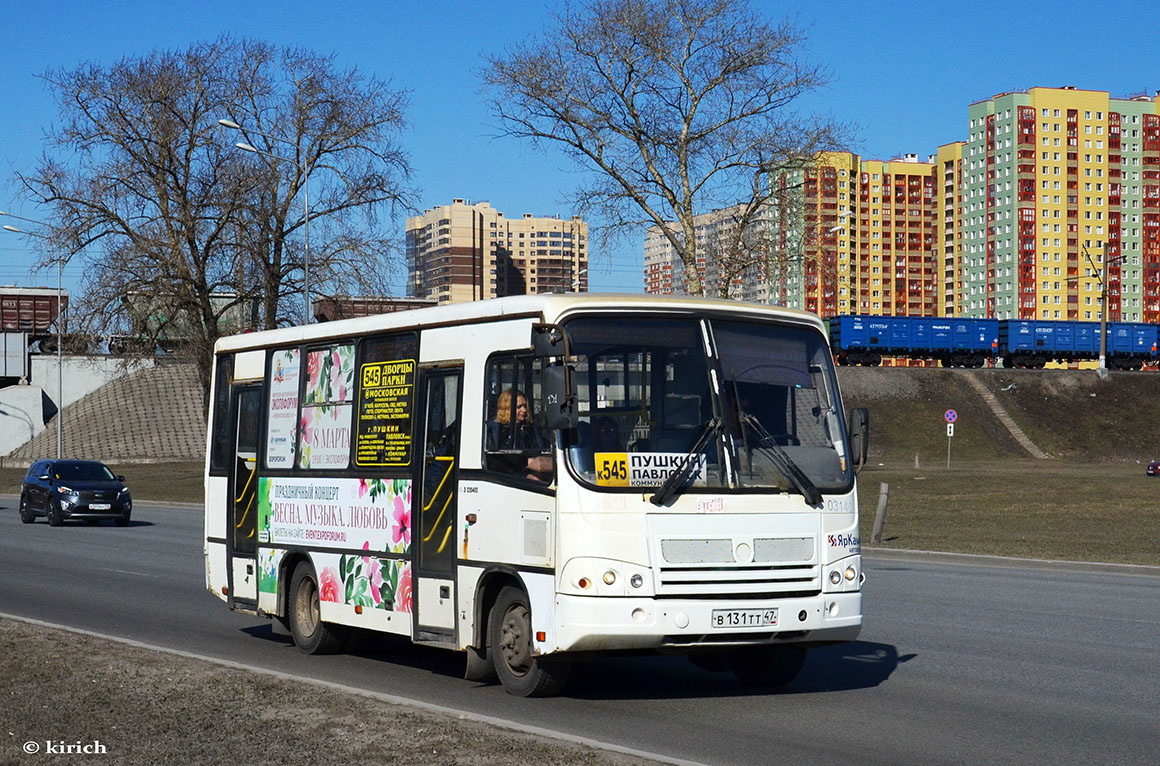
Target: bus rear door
[{"x": 243, "y": 499}]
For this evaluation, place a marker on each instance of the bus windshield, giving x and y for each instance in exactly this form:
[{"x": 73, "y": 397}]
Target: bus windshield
[{"x": 755, "y": 402}]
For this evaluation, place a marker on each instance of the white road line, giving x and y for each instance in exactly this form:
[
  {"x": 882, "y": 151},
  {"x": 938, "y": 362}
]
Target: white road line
[{"x": 126, "y": 571}]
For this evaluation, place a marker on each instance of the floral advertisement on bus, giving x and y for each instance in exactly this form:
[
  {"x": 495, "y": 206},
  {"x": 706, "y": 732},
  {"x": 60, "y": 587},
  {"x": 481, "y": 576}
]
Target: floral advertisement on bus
[
  {"x": 364, "y": 516},
  {"x": 282, "y": 411},
  {"x": 325, "y": 424}
]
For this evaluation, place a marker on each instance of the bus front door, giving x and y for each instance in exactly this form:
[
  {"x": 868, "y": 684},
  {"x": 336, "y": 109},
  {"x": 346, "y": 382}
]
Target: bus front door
[
  {"x": 243, "y": 500},
  {"x": 434, "y": 603}
]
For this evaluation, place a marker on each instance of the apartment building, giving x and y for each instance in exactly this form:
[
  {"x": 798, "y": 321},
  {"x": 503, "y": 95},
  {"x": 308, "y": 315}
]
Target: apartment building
[
  {"x": 470, "y": 251},
  {"x": 857, "y": 236},
  {"x": 1061, "y": 185},
  {"x": 729, "y": 266},
  {"x": 948, "y": 255},
  {"x": 1052, "y": 189}
]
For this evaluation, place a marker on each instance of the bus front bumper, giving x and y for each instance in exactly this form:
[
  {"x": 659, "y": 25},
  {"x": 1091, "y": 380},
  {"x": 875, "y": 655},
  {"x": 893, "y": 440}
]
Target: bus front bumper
[{"x": 599, "y": 624}]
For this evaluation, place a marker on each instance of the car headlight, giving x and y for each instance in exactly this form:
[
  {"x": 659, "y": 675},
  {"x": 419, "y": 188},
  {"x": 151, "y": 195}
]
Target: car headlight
[
  {"x": 64, "y": 490},
  {"x": 124, "y": 492}
]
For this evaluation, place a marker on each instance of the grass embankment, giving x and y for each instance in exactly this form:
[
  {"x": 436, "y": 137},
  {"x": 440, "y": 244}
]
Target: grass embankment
[
  {"x": 1091, "y": 501},
  {"x": 1035, "y": 509},
  {"x": 168, "y": 482}
]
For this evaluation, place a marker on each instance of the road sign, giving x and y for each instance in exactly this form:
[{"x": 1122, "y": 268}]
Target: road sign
[
  {"x": 950, "y": 416},
  {"x": 950, "y": 429}
]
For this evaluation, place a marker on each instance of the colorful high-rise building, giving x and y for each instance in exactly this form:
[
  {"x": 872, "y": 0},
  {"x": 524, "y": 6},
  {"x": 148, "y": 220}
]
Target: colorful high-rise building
[
  {"x": 1061, "y": 185},
  {"x": 856, "y": 237},
  {"x": 1052, "y": 202},
  {"x": 948, "y": 255}
]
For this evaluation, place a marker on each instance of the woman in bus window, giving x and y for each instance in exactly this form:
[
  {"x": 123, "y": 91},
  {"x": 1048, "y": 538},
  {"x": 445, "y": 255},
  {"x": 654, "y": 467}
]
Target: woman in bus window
[{"x": 509, "y": 441}]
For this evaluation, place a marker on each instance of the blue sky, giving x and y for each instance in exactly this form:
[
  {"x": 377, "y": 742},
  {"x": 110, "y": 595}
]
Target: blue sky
[{"x": 903, "y": 73}]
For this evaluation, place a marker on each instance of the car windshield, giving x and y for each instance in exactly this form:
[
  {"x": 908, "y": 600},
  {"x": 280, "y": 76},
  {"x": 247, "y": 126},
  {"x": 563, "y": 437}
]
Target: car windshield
[
  {"x": 82, "y": 472},
  {"x": 753, "y": 400}
]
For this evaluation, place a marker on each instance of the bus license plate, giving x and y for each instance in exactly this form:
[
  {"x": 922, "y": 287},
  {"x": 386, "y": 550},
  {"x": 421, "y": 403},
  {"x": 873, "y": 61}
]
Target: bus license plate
[
  {"x": 744, "y": 618},
  {"x": 99, "y": 506}
]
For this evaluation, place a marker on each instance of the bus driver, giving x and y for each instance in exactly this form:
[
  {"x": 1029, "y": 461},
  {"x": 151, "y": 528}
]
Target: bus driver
[{"x": 511, "y": 442}]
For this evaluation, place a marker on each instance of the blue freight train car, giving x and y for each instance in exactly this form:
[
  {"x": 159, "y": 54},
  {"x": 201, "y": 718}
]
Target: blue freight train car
[
  {"x": 1032, "y": 343},
  {"x": 967, "y": 342},
  {"x": 953, "y": 341}
]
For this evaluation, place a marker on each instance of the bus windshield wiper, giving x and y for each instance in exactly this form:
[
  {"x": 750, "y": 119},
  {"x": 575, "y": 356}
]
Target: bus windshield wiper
[
  {"x": 781, "y": 459},
  {"x": 681, "y": 476}
]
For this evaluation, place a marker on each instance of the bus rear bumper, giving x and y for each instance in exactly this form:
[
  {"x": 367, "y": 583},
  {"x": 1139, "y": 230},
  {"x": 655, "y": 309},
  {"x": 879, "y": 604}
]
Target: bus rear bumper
[{"x": 603, "y": 624}]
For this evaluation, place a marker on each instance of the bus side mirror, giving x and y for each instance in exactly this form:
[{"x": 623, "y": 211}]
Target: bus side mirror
[
  {"x": 549, "y": 340},
  {"x": 559, "y": 403},
  {"x": 859, "y": 436}
]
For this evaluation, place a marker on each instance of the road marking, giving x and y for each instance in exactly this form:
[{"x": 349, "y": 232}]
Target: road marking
[
  {"x": 126, "y": 571},
  {"x": 390, "y": 699}
]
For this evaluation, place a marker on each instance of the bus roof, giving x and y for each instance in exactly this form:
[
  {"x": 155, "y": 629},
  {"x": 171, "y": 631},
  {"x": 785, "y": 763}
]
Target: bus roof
[{"x": 550, "y": 307}]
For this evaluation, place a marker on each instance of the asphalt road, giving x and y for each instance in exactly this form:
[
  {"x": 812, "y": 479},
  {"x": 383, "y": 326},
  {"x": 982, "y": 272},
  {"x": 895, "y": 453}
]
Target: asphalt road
[{"x": 961, "y": 661}]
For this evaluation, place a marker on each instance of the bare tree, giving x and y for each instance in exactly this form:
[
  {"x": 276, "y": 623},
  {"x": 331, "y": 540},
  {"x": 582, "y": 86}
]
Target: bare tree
[
  {"x": 681, "y": 106},
  {"x": 335, "y": 128},
  {"x": 181, "y": 225}
]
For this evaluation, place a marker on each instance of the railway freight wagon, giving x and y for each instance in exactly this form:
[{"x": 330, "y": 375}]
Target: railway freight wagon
[
  {"x": 1031, "y": 343},
  {"x": 32, "y": 310},
  {"x": 953, "y": 341}
]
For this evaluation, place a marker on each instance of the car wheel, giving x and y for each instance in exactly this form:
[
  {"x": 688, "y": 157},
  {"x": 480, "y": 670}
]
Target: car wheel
[
  {"x": 123, "y": 520},
  {"x": 768, "y": 667},
  {"x": 55, "y": 517},
  {"x": 311, "y": 634},
  {"x": 520, "y": 671},
  {"x": 26, "y": 514}
]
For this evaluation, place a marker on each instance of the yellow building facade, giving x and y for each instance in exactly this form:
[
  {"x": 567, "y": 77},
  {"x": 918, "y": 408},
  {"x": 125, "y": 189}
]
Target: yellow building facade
[
  {"x": 857, "y": 236},
  {"x": 1061, "y": 187}
]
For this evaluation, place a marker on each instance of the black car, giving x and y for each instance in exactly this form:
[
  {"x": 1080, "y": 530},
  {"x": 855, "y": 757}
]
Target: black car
[{"x": 74, "y": 489}]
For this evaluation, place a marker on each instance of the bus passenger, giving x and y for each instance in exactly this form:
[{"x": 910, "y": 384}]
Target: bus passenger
[{"x": 511, "y": 442}]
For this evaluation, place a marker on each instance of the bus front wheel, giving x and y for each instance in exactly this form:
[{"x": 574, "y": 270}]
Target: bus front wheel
[
  {"x": 520, "y": 671},
  {"x": 311, "y": 634}
]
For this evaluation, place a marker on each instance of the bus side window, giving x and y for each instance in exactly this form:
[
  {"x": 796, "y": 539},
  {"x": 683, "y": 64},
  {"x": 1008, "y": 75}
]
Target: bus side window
[
  {"x": 221, "y": 449},
  {"x": 514, "y": 442}
]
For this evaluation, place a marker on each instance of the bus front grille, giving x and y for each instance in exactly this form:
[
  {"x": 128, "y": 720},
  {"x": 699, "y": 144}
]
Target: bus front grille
[
  {"x": 762, "y": 567},
  {"x": 744, "y": 581}
]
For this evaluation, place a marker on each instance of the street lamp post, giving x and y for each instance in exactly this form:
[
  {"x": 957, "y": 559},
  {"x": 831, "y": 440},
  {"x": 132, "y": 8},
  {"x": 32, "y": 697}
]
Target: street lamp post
[
  {"x": 59, "y": 330},
  {"x": 305, "y": 197},
  {"x": 1102, "y": 277}
]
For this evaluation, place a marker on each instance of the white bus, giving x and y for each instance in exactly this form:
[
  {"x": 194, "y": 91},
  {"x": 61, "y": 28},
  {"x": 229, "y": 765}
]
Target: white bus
[{"x": 539, "y": 479}]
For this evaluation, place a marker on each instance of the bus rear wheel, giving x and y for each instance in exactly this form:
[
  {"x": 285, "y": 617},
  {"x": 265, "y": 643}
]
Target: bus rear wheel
[
  {"x": 311, "y": 634},
  {"x": 768, "y": 667},
  {"x": 522, "y": 673}
]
